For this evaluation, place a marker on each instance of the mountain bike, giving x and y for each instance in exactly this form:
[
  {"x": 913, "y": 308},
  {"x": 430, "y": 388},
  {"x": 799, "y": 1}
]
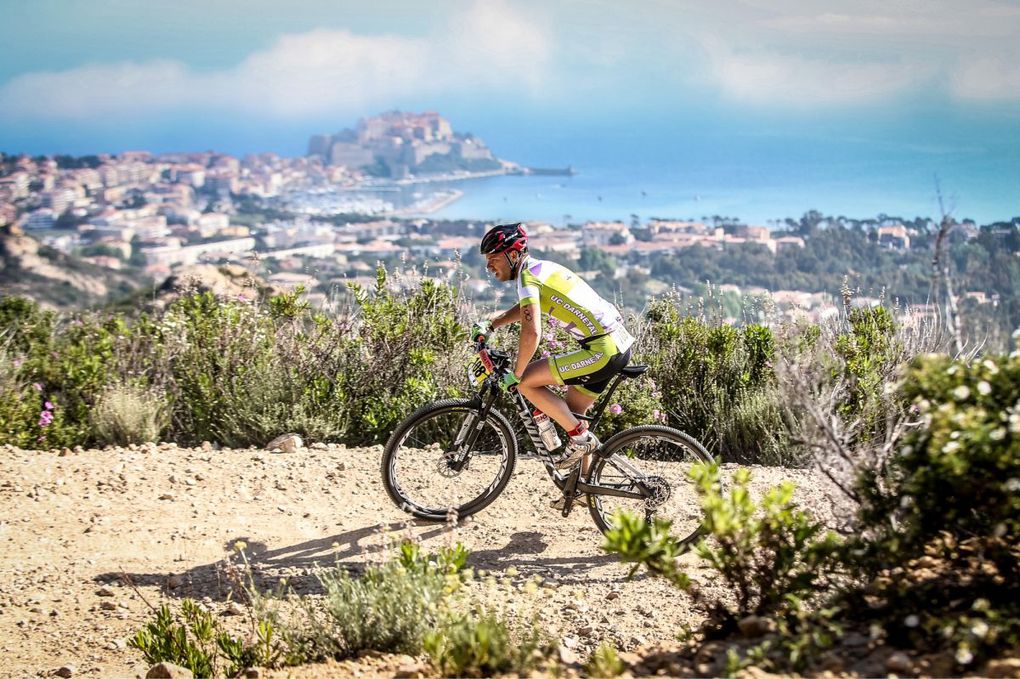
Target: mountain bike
[{"x": 454, "y": 457}]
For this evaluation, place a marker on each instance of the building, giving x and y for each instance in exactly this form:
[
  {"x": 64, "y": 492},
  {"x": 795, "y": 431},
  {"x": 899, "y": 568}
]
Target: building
[
  {"x": 598, "y": 234},
  {"x": 894, "y": 236},
  {"x": 175, "y": 254},
  {"x": 785, "y": 243},
  {"x": 43, "y": 218}
]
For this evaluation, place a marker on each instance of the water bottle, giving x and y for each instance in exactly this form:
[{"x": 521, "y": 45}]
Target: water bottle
[{"x": 547, "y": 429}]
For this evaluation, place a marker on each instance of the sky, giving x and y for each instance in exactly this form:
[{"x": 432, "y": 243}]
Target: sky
[{"x": 532, "y": 78}]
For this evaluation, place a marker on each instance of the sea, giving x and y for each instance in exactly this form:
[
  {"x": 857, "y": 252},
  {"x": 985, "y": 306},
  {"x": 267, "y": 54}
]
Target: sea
[{"x": 759, "y": 178}]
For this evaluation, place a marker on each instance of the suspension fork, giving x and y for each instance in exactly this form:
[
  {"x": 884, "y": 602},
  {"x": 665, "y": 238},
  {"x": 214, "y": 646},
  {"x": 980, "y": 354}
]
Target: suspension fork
[{"x": 472, "y": 427}]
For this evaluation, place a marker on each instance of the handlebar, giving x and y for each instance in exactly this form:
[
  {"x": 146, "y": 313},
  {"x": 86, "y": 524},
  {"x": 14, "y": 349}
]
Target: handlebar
[{"x": 495, "y": 360}]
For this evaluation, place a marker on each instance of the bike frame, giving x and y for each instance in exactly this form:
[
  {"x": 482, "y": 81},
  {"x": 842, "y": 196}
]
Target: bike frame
[{"x": 571, "y": 484}]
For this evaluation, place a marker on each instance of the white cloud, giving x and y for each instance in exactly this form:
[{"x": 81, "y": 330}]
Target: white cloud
[
  {"x": 766, "y": 77},
  {"x": 987, "y": 78},
  {"x": 811, "y": 52},
  {"x": 488, "y": 45},
  {"x": 101, "y": 89}
]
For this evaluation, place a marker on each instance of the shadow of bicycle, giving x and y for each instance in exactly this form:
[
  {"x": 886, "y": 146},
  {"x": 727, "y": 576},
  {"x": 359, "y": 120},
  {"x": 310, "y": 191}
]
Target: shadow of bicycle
[
  {"x": 297, "y": 567},
  {"x": 250, "y": 561}
]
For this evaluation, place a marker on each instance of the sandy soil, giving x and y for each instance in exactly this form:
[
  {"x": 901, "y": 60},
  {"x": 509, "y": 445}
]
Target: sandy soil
[{"x": 75, "y": 527}]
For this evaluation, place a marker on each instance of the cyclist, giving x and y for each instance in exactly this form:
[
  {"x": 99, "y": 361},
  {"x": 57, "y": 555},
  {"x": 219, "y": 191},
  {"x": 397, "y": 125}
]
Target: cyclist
[{"x": 546, "y": 287}]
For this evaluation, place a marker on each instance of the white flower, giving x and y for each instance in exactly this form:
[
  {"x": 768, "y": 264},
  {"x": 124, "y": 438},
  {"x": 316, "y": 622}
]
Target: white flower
[
  {"x": 951, "y": 447},
  {"x": 979, "y": 629},
  {"x": 961, "y": 393},
  {"x": 991, "y": 367},
  {"x": 997, "y": 434},
  {"x": 984, "y": 388},
  {"x": 964, "y": 656},
  {"x": 911, "y": 620},
  {"x": 1012, "y": 485}
]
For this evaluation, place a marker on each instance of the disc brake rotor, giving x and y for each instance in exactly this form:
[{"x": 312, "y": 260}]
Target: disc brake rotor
[
  {"x": 447, "y": 465},
  {"x": 658, "y": 491}
]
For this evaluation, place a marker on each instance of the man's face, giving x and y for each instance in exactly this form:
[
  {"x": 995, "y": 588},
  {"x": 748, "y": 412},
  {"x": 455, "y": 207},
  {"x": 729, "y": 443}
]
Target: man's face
[{"x": 500, "y": 268}]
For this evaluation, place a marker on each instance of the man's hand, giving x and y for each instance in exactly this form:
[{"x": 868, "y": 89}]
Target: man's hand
[
  {"x": 509, "y": 382},
  {"x": 481, "y": 330}
]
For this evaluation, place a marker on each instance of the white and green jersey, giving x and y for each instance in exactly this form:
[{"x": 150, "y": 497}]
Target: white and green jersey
[{"x": 565, "y": 297}]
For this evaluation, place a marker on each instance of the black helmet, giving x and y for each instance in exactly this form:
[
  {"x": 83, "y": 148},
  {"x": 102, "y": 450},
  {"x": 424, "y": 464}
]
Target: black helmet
[{"x": 504, "y": 238}]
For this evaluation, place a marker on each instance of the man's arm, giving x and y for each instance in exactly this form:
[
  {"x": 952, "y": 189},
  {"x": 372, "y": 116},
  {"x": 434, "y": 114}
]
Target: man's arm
[
  {"x": 511, "y": 315},
  {"x": 531, "y": 334}
]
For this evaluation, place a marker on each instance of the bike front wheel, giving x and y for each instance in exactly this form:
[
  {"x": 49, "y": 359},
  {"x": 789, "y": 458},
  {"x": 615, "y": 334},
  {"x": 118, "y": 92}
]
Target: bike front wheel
[
  {"x": 428, "y": 470},
  {"x": 654, "y": 461}
]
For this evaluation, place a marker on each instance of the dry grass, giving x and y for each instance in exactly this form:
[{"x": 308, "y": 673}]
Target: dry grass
[{"x": 127, "y": 413}]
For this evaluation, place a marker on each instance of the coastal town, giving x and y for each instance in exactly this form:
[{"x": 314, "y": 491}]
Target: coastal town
[{"x": 328, "y": 212}]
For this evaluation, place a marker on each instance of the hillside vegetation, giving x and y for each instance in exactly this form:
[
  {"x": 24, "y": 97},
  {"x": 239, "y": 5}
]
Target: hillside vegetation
[{"x": 925, "y": 446}]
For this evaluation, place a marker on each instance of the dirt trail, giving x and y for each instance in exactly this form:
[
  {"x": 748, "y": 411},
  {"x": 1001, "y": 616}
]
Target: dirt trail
[{"x": 71, "y": 526}]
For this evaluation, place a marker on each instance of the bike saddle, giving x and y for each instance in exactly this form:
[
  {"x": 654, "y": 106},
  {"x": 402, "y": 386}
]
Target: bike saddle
[{"x": 634, "y": 370}]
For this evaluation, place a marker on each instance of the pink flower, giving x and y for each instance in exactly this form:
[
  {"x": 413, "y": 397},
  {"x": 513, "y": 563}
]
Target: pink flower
[
  {"x": 616, "y": 409},
  {"x": 38, "y": 386},
  {"x": 45, "y": 418},
  {"x": 48, "y": 405}
]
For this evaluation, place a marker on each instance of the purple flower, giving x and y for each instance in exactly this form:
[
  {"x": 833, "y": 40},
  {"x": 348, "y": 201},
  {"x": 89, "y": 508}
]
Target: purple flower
[
  {"x": 48, "y": 405},
  {"x": 45, "y": 418},
  {"x": 545, "y": 353},
  {"x": 616, "y": 409}
]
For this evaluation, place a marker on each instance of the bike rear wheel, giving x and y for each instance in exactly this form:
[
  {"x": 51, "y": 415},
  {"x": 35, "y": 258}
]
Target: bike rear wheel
[
  {"x": 429, "y": 475},
  {"x": 661, "y": 457}
]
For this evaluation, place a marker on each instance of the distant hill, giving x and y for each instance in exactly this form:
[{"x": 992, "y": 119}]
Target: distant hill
[{"x": 56, "y": 280}]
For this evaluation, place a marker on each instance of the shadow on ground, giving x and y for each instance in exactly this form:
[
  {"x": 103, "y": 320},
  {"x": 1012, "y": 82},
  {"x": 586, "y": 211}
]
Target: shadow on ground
[{"x": 296, "y": 565}]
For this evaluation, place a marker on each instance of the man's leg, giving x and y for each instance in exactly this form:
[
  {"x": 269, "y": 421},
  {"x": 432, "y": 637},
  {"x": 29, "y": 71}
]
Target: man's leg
[
  {"x": 579, "y": 401},
  {"x": 537, "y": 376}
]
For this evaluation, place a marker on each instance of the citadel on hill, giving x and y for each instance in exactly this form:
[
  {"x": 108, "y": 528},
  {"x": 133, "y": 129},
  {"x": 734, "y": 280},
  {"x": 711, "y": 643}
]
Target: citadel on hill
[{"x": 396, "y": 145}]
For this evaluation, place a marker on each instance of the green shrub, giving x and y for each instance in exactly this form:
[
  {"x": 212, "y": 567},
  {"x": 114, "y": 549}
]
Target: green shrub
[
  {"x": 25, "y": 325},
  {"x": 940, "y": 540},
  {"x": 467, "y": 646},
  {"x": 869, "y": 350},
  {"x": 189, "y": 643},
  {"x": 770, "y": 556},
  {"x": 21, "y": 405},
  {"x": 447, "y": 561},
  {"x": 716, "y": 382},
  {"x": 262, "y": 651},
  {"x": 767, "y": 554},
  {"x": 960, "y": 472},
  {"x": 604, "y": 662},
  {"x": 390, "y": 609},
  {"x": 404, "y": 351},
  {"x": 194, "y": 640}
]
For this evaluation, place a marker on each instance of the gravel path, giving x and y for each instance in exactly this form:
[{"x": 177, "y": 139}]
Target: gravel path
[{"x": 72, "y": 525}]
